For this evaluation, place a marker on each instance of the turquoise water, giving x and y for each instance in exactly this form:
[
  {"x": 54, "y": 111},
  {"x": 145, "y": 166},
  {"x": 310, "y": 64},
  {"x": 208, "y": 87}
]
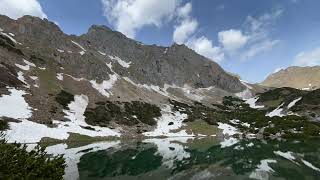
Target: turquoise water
[{"x": 207, "y": 158}]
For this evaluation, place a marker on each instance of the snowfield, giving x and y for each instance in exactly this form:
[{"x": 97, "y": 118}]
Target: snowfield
[
  {"x": 31, "y": 132},
  {"x": 14, "y": 105}
]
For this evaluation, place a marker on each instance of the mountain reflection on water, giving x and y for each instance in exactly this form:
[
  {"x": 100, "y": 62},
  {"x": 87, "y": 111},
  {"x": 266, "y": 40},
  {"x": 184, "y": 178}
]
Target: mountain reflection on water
[{"x": 198, "y": 159}]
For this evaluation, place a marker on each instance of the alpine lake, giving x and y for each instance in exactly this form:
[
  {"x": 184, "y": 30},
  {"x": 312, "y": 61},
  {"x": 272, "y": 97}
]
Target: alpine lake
[{"x": 200, "y": 158}]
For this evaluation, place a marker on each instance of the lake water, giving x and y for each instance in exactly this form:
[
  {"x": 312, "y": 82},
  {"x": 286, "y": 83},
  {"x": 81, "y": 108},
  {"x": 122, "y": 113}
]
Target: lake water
[{"x": 198, "y": 159}]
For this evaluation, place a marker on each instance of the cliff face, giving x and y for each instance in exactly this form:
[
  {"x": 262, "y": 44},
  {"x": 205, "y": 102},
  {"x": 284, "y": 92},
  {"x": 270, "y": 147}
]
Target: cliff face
[{"x": 306, "y": 78}]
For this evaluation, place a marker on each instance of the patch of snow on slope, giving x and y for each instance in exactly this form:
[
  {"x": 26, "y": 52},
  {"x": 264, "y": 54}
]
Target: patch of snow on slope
[
  {"x": 60, "y": 50},
  {"x": 60, "y": 76},
  {"x": 287, "y": 155},
  {"x": 262, "y": 170},
  {"x": 290, "y": 105},
  {"x": 310, "y": 165},
  {"x": 148, "y": 87},
  {"x": 36, "y": 79},
  {"x": 163, "y": 128},
  {"x": 170, "y": 152},
  {"x": 229, "y": 142},
  {"x": 120, "y": 61},
  {"x": 77, "y": 120},
  {"x": 8, "y": 36},
  {"x": 77, "y": 44},
  {"x": 227, "y": 129},
  {"x": 27, "y": 66},
  {"x": 276, "y": 112},
  {"x": 252, "y": 103},
  {"x": 104, "y": 87},
  {"x": 14, "y": 105},
  {"x": 11, "y": 34},
  {"x": 76, "y": 79},
  {"x": 31, "y": 132},
  {"x": 21, "y": 78},
  {"x": 103, "y": 54},
  {"x": 83, "y": 50},
  {"x": 246, "y": 94},
  {"x": 72, "y": 155}
]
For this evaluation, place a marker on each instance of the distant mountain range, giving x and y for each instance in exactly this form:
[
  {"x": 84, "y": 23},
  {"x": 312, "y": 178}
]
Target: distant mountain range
[{"x": 305, "y": 78}]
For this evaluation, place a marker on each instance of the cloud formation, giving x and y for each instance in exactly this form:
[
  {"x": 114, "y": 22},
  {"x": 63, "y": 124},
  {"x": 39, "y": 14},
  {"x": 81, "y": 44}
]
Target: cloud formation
[
  {"x": 18, "y": 8},
  {"x": 232, "y": 39},
  {"x": 187, "y": 25},
  {"x": 204, "y": 46},
  {"x": 309, "y": 58},
  {"x": 184, "y": 33},
  {"x": 128, "y": 16}
]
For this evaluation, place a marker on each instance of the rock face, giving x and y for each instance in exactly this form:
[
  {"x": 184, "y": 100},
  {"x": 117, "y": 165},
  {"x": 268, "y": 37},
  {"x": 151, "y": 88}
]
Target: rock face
[{"x": 306, "y": 78}]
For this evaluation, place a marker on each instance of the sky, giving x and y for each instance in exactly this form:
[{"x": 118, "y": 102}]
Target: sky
[{"x": 249, "y": 37}]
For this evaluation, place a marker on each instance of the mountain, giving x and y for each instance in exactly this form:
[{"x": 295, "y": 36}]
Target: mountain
[
  {"x": 55, "y": 86},
  {"x": 306, "y": 78},
  {"x": 61, "y": 77}
]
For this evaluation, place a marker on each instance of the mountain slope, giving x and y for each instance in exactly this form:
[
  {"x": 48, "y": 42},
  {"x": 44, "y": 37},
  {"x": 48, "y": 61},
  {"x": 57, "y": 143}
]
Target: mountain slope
[
  {"x": 296, "y": 77},
  {"x": 97, "y": 84}
]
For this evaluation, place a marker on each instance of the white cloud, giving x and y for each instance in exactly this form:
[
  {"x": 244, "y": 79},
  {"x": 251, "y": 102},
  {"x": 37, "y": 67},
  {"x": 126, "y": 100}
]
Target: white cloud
[
  {"x": 232, "y": 40},
  {"x": 187, "y": 25},
  {"x": 259, "y": 47},
  {"x": 205, "y": 47},
  {"x": 128, "y": 16},
  {"x": 183, "y": 31},
  {"x": 184, "y": 11},
  {"x": 310, "y": 58},
  {"x": 258, "y": 32},
  {"x": 18, "y": 8}
]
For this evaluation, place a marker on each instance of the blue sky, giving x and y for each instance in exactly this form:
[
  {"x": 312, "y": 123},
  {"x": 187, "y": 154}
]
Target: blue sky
[{"x": 248, "y": 37}]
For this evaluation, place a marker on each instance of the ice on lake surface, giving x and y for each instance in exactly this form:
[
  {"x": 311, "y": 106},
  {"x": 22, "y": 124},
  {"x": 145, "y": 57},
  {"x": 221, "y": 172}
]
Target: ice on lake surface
[{"x": 189, "y": 158}]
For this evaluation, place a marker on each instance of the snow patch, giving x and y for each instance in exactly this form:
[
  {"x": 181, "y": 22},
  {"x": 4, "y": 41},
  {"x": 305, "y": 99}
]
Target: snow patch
[
  {"x": 103, "y": 54},
  {"x": 120, "y": 61},
  {"x": 31, "y": 132},
  {"x": 276, "y": 112},
  {"x": 287, "y": 155},
  {"x": 11, "y": 34},
  {"x": 8, "y": 36},
  {"x": 104, "y": 87},
  {"x": 290, "y": 105},
  {"x": 21, "y": 78},
  {"x": 252, "y": 103},
  {"x": 27, "y": 66},
  {"x": 77, "y": 44},
  {"x": 60, "y": 76},
  {"x": 60, "y": 50},
  {"x": 310, "y": 165},
  {"x": 14, "y": 105}
]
